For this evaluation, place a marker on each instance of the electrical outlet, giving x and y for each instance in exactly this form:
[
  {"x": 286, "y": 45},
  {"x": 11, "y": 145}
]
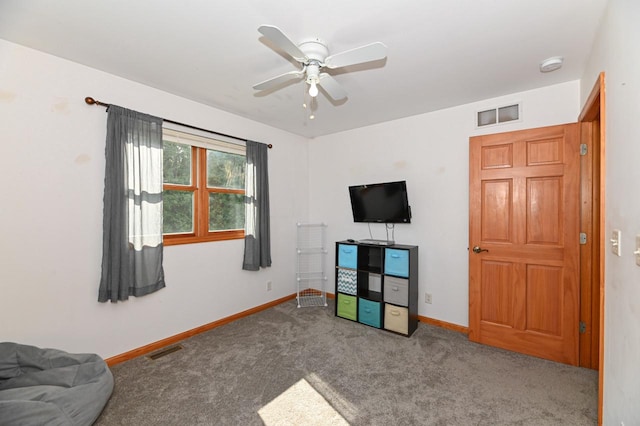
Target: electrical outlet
[
  {"x": 427, "y": 298},
  {"x": 269, "y": 285}
]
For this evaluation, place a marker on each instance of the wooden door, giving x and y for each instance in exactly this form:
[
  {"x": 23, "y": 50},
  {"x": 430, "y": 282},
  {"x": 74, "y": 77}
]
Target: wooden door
[{"x": 524, "y": 225}]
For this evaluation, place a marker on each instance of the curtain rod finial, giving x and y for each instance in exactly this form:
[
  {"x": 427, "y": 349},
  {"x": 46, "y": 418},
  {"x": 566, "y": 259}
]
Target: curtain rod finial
[{"x": 90, "y": 100}]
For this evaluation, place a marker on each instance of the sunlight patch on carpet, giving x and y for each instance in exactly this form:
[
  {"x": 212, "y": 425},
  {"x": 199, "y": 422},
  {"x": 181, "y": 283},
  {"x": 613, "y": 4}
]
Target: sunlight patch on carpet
[
  {"x": 343, "y": 406},
  {"x": 301, "y": 404}
]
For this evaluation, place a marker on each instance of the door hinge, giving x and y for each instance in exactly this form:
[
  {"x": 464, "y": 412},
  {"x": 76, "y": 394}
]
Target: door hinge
[
  {"x": 583, "y": 238},
  {"x": 583, "y": 327},
  {"x": 583, "y": 149}
]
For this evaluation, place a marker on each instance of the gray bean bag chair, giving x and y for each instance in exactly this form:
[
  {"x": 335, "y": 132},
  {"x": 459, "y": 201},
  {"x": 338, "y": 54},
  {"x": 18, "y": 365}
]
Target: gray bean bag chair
[{"x": 51, "y": 387}]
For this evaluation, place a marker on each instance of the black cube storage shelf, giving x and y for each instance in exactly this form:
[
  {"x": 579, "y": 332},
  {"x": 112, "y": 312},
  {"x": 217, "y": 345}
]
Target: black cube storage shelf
[{"x": 378, "y": 285}]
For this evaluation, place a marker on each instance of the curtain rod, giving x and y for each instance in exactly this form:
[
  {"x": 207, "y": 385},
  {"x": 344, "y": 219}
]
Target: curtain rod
[{"x": 89, "y": 100}]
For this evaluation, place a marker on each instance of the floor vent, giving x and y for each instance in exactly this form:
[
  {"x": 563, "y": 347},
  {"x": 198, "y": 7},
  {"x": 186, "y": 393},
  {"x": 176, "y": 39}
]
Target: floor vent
[{"x": 164, "y": 352}]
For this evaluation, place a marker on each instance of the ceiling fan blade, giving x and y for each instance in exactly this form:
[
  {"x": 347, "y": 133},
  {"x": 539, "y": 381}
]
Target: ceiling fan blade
[
  {"x": 282, "y": 41},
  {"x": 367, "y": 53},
  {"x": 276, "y": 81},
  {"x": 332, "y": 87}
]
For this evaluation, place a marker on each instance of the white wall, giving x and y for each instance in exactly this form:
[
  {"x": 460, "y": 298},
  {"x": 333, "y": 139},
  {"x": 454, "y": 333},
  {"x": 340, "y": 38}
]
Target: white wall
[
  {"x": 52, "y": 172},
  {"x": 617, "y": 53},
  {"x": 430, "y": 152}
]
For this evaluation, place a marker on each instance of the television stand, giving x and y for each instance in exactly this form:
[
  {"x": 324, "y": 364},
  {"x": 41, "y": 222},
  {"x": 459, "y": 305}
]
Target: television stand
[{"x": 378, "y": 242}]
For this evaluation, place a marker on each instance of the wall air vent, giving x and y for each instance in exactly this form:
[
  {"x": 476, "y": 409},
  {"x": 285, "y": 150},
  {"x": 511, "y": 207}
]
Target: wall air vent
[{"x": 499, "y": 115}]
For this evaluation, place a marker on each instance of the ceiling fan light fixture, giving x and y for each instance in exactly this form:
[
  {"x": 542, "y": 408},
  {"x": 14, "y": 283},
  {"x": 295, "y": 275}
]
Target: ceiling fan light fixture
[
  {"x": 313, "y": 77},
  {"x": 551, "y": 64},
  {"x": 313, "y": 89}
]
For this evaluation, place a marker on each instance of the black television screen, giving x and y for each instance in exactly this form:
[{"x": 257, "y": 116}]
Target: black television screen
[{"x": 380, "y": 202}]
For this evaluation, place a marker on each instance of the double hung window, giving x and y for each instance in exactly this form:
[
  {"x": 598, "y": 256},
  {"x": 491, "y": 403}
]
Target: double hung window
[{"x": 203, "y": 189}]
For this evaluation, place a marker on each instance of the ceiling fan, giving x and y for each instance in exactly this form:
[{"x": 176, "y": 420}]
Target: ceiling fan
[{"x": 313, "y": 55}]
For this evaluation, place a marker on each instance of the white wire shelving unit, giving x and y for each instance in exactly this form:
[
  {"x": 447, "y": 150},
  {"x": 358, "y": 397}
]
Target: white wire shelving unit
[{"x": 311, "y": 260}]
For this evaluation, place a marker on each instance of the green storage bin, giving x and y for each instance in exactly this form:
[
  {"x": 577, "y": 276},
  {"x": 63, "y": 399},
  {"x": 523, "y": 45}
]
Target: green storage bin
[{"x": 348, "y": 307}]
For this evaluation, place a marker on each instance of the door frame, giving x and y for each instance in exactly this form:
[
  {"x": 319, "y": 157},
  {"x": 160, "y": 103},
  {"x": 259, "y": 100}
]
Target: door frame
[{"x": 592, "y": 217}]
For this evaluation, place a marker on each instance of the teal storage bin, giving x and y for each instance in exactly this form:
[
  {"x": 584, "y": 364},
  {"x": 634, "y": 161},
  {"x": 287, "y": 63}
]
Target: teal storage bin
[
  {"x": 370, "y": 313},
  {"x": 347, "y": 256},
  {"x": 396, "y": 262}
]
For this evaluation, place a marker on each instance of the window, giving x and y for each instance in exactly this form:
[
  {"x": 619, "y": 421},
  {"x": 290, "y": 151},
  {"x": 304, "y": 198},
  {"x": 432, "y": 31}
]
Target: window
[{"x": 203, "y": 189}]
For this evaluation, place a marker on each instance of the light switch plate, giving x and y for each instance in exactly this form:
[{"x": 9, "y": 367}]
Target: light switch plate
[
  {"x": 616, "y": 238},
  {"x": 637, "y": 250}
]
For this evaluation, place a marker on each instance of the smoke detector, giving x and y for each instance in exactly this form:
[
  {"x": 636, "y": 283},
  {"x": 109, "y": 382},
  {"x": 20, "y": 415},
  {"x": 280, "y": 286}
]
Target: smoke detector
[{"x": 551, "y": 64}]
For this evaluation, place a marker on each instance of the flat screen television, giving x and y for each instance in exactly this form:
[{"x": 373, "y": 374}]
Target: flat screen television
[{"x": 380, "y": 202}]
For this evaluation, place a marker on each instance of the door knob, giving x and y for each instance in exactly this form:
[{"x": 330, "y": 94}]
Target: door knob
[{"x": 477, "y": 249}]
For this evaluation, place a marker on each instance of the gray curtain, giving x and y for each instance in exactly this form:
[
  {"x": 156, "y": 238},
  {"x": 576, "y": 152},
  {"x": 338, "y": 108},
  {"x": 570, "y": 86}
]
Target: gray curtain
[
  {"x": 132, "y": 223},
  {"x": 257, "y": 239}
]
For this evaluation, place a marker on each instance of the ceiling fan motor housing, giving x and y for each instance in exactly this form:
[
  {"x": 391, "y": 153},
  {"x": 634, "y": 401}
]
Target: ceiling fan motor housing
[{"x": 315, "y": 49}]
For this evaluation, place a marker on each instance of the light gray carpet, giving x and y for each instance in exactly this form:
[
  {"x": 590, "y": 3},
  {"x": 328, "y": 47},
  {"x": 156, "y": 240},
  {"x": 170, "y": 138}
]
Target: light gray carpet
[{"x": 290, "y": 366}]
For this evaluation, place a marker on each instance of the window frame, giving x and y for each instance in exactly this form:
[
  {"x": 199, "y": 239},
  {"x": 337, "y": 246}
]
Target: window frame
[{"x": 201, "y": 191}]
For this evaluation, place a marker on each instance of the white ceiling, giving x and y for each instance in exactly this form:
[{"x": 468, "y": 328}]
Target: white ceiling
[{"x": 440, "y": 53}]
